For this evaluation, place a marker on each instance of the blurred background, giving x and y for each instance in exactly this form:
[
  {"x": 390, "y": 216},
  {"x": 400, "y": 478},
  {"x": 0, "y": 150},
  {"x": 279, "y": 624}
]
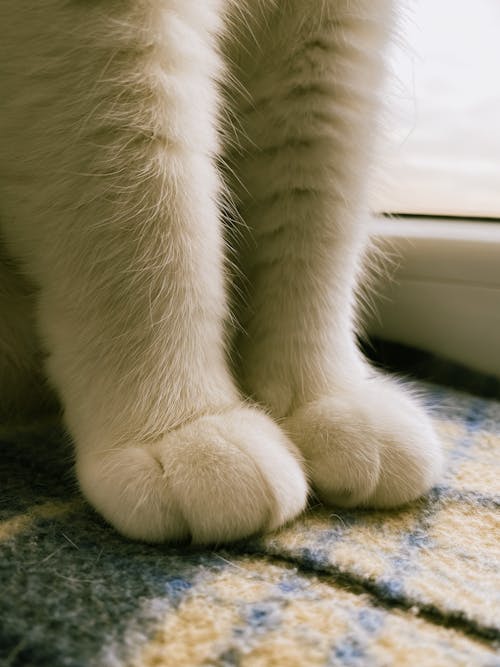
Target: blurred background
[
  {"x": 444, "y": 118},
  {"x": 440, "y": 174}
]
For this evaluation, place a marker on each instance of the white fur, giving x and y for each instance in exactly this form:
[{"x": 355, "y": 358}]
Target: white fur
[
  {"x": 369, "y": 445},
  {"x": 110, "y": 200},
  {"x": 218, "y": 478},
  {"x": 301, "y": 175}
]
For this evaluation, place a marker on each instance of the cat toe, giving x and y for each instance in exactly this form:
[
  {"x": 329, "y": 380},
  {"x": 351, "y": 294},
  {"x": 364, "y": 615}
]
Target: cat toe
[
  {"x": 217, "y": 479},
  {"x": 343, "y": 463},
  {"x": 372, "y": 447}
]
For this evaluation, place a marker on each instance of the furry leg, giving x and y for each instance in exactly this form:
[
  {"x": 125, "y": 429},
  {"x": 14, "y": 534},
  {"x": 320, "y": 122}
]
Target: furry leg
[
  {"x": 109, "y": 123},
  {"x": 310, "y": 73}
]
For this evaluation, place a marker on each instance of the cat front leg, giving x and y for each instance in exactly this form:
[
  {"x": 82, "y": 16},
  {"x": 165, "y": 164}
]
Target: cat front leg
[
  {"x": 111, "y": 204},
  {"x": 312, "y": 73}
]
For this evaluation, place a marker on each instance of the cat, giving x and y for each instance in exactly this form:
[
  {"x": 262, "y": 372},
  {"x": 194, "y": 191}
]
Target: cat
[{"x": 182, "y": 207}]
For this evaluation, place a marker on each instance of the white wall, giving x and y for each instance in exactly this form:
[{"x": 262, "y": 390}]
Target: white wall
[{"x": 445, "y": 293}]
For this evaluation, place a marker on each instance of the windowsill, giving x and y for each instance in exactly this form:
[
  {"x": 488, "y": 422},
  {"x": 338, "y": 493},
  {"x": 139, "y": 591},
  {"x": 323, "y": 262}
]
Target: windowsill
[{"x": 445, "y": 292}]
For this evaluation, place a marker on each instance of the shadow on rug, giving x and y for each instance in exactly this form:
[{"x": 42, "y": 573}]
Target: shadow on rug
[{"x": 419, "y": 586}]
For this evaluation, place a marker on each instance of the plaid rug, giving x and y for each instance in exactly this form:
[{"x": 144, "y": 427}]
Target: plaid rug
[{"x": 419, "y": 586}]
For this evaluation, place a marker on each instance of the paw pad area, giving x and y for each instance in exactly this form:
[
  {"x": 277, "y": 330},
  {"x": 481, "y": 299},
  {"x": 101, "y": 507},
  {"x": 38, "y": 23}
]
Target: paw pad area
[
  {"x": 372, "y": 447},
  {"x": 217, "y": 479}
]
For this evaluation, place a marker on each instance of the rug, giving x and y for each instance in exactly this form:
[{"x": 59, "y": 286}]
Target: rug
[{"x": 418, "y": 586}]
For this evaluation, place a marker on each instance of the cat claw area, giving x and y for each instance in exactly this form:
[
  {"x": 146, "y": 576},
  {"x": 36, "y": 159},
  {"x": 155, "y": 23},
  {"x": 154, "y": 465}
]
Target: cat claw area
[
  {"x": 373, "y": 446},
  {"x": 216, "y": 479}
]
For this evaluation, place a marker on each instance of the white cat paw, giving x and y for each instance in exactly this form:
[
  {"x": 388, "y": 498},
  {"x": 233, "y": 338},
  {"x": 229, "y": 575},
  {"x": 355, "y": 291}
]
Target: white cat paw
[
  {"x": 216, "y": 479},
  {"x": 369, "y": 446}
]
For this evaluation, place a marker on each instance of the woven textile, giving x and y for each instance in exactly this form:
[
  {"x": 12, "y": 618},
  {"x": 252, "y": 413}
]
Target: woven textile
[{"x": 419, "y": 586}]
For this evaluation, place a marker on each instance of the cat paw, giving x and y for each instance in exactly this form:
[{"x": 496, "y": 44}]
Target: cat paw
[
  {"x": 216, "y": 479},
  {"x": 373, "y": 446}
]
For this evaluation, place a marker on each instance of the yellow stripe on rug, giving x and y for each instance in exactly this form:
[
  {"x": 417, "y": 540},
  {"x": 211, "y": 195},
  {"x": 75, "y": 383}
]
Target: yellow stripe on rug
[
  {"x": 49, "y": 510},
  {"x": 260, "y": 614}
]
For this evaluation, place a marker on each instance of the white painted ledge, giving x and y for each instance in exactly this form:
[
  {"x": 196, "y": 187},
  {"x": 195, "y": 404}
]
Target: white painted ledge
[{"x": 445, "y": 293}]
